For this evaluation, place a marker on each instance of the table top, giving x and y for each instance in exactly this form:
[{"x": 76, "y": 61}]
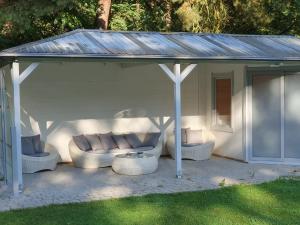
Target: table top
[{"x": 135, "y": 155}]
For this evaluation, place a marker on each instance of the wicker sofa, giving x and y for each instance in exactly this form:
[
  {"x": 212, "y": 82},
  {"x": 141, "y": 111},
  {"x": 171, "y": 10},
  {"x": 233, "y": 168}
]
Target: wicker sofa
[
  {"x": 90, "y": 159},
  {"x": 197, "y": 152},
  {"x": 32, "y": 164}
]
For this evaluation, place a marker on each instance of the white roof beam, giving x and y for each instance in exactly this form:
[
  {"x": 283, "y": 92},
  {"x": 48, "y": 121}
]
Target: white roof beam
[
  {"x": 27, "y": 72},
  {"x": 167, "y": 71},
  {"x": 187, "y": 71}
]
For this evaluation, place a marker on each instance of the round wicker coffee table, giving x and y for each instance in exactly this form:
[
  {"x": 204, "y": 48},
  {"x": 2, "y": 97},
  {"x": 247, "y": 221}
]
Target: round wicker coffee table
[{"x": 134, "y": 163}]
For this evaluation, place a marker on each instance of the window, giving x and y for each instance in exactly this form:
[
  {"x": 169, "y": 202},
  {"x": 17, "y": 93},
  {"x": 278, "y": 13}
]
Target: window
[{"x": 222, "y": 101}]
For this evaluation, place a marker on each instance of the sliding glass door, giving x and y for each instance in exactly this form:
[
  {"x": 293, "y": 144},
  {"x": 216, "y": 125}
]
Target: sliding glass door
[{"x": 275, "y": 116}]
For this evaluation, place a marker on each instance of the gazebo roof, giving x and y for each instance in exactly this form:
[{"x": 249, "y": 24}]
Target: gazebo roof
[{"x": 153, "y": 45}]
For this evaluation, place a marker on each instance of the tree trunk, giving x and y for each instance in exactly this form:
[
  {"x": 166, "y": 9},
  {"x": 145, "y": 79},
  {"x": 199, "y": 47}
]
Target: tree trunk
[
  {"x": 168, "y": 15},
  {"x": 2, "y": 3},
  {"x": 103, "y": 13}
]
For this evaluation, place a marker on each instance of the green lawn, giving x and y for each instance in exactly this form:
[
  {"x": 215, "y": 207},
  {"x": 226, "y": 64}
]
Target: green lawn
[{"x": 277, "y": 202}]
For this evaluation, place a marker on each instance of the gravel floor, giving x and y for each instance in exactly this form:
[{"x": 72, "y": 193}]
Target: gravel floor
[{"x": 69, "y": 184}]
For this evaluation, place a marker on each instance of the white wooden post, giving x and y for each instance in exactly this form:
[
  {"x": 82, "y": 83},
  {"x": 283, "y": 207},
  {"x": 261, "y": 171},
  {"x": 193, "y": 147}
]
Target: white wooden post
[
  {"x": 17, "y": 79},
  {"x": 177, "y": 104},
  {"x": 16, "y": 130},
  {"x": 177, "y": 77}
]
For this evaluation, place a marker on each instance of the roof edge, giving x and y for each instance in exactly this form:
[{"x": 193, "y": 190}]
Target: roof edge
[{"x": 29, "y": 44}]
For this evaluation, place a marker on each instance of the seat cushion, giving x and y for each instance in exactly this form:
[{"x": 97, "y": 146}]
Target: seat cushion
[
  {"x": 94, "y": 141},
  {"x": 27, "y": 146},
  {"x": 194, "y": 136},
  {"x": 82, "y": 143},
  {"x": 121, "y": 141},
  {"x": 107, "y": 141}
]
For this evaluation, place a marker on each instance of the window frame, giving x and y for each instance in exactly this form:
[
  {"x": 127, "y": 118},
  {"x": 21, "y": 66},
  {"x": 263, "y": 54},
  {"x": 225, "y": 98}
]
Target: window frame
[{"x": 214, "y": 78}]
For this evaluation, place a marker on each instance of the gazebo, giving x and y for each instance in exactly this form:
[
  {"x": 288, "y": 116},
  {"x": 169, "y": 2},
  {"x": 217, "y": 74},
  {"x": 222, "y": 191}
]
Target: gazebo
[{"x": 177, "y": 54}]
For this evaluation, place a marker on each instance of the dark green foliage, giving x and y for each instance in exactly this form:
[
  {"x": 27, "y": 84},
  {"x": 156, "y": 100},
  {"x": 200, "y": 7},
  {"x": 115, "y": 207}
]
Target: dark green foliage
[
  {"x": 263, "y": 16},
  {"x": 277, "y": 203},
  {"x": 28, "y": 20},
  {"x": 143, "y": 15}
]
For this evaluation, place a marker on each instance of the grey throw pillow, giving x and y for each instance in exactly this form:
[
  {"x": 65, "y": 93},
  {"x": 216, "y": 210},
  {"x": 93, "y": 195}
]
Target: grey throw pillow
[
  {"x": 133, "y": 140},
  {"x": 184, "y": 135},
  {"x": 82, "y": 142},
  {"x": 37, "y": 144},
  {"x": 107, "y": 141},
  {"x": 194, "y": 137},
  {"x": 27, "y": 146},
  {"x": 94, "y": 141},
  {"x": 121, "y": 141},
  {"x": 151, "y": 139}
]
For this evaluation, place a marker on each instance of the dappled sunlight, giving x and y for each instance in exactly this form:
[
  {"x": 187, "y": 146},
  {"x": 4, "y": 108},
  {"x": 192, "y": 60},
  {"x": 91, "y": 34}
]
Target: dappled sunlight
[
  {"x": 132, "y": 125},
  {"x": 234, "y": 44},
  {"x": 293, "y": 106},
  {"x": 224, "y": 180},
  {"x": 113, "y": 191},
  {"x": 61, "y": 179},
  {"x": 157, "y": 43},
  {"x": 256, "y": 194},
  {"x": 29, "y": 125},
  {"x": 267, "y": 172},
  {"x": 70, "y": 184},
  {"x": 90, "y": 126},
  {"x": 49, "y": 124},
  {"x": 247, "y": 204},
  {"x": 129, "y": 113},
  {"x": 112, "y": 101}
]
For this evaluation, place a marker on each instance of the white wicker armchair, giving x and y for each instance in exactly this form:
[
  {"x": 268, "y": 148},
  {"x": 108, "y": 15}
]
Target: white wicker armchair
[
  {"x": 198, "y": 152},
  {"x": 33, "y": 164},
  {"x": 89, "y": 160}
]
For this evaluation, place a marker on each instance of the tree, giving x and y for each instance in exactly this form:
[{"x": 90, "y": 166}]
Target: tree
[
  {"x": 2, "y": 3},
  {"x": 146, "y": 15},
  {"x": 103, "y": 13},
  {"x": 28, "y": 20},
  {"x": 202, "y": 15},
  {"x": 263, "y": 16}
]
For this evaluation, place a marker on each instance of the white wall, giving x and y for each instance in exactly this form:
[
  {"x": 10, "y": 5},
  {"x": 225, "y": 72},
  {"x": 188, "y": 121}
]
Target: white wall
[
  {"x": 60, "y": 100},
  {"x": 63, "y": 99},
  {"x": 228, "y": 144}
]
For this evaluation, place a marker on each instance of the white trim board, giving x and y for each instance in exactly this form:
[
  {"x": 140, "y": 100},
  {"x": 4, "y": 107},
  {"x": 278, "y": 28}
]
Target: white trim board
[{"x": 274, "y": 162}]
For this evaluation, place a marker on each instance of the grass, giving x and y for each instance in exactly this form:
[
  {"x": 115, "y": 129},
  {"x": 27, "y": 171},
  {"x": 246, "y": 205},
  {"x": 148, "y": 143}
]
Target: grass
[{"x": 276, "y": 202}]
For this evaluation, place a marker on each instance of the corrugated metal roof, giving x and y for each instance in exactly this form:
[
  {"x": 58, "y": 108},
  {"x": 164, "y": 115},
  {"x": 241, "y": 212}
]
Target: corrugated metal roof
[{"x": 154, "y": 45}]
